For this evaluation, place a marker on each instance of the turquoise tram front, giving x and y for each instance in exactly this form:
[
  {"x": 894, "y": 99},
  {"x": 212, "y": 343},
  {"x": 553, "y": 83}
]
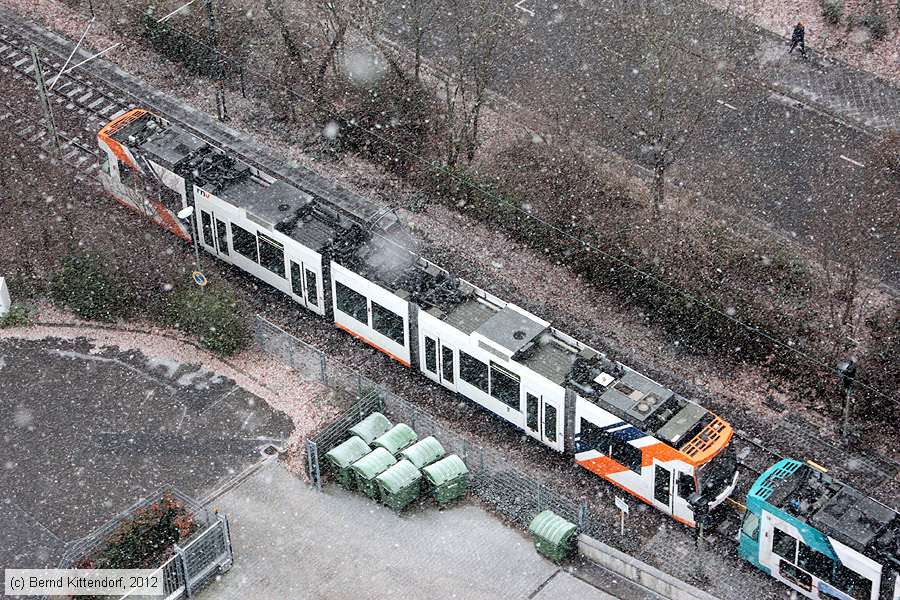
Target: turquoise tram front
[{"x": 822, "y": 538}]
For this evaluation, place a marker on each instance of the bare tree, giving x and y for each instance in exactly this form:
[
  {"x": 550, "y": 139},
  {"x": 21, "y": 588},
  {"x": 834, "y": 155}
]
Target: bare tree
[
  {"x": 419, "y": 16},
  {"x": 672, "y": 57},
  {"x": 467, "y": 74},
  {"x": 304, "y": 62},
  {"x": 853, "y": 239}
]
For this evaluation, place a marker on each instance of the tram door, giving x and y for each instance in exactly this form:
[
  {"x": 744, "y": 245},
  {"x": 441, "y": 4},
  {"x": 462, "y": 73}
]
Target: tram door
[
  {"x": 214, "y": 234},
  {"x": 447, "y": 366},
  {"x": 662, "y": 487},
  {"x": 304, "y": 285},
  {"x": 542, "y": 419}
]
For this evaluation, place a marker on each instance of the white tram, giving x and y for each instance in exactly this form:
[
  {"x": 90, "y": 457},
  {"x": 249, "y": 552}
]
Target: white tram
[{"x": 646, "y": 439}]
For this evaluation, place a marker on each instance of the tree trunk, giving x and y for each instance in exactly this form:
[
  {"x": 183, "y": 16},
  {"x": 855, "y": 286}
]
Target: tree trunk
[
  {"x": 418, "y": 66},
  {"x": 318, "y": 84},
  {"x": 659, "y": 183}
]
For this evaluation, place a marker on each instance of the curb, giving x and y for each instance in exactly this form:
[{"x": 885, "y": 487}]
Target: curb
[{"x": 638, "y": 572}]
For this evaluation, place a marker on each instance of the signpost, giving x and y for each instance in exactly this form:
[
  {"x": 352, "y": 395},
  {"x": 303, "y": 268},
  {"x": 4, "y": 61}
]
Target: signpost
[
  {"x": 199, "y": 278},
  {"x": 623, "y": 509}
]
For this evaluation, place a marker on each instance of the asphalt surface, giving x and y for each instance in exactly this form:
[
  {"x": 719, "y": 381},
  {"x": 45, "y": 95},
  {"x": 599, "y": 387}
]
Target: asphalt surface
[
  {"x": 755, "y": 149},
  {"x": 294, "y": 542},
  {"x": 89, "y": 431}
]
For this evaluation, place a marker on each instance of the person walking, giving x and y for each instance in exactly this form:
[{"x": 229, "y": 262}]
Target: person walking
[{"x": 798, "y": 39}]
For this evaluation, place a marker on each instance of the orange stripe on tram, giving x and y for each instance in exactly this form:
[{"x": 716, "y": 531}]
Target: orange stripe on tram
[
  {"x": 110, "y": 128},
  {"x": 405, "y": 363}
]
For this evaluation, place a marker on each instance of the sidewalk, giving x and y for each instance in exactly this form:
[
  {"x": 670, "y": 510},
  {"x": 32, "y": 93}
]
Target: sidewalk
[
  {"x": 293, "y": 542},
  {"x": 857, "y": 97}
]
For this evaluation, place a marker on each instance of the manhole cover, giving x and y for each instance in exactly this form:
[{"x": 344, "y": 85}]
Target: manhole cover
[{"x": 269, "y": 450}]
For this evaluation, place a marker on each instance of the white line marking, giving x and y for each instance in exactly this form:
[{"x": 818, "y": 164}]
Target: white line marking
[
  {"x": 851, "y": 161},
  {"x": 725, "y": 104},
  {"x": 522, "y": 8}
]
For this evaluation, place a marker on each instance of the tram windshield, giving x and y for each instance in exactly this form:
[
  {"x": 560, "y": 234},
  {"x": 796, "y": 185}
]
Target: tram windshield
[{"x": 718, "y": 473}]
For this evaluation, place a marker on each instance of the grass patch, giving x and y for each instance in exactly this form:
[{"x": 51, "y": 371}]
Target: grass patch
[{"x": 16, "y": 317}]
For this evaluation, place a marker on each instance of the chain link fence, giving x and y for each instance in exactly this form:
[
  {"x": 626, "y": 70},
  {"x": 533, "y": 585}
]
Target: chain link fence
[
  {"x": 506, "y": 489},
  {"x": 193, "y": 563}
]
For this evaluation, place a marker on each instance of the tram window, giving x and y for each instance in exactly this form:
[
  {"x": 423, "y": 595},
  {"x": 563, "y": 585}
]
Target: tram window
[
  {"x": 387, "y": 323},
  {"x": 685, "y": 485},
  {"x": 531, "y": 411},
  {"x": 625, "y": 454},
  {"x": 852, "y": 583},
  {"x": 170, "y": 199},
  {"x": 296, "y": 281},
  {"x": 207, "y": 228},
  {"x": 473, "y": 371},
  {"x": 430, "y": 355},
  {"x": 815, "y": 562},
  {"x": 244, "y": 242},
  {"x": 126, "y": 175},
  {"x": 447, "y": 364},
  {"x": 351, "y": 302},
  {"x": 784, "y": 545},
  {"x": 504, "y": 386},
  {"x": 222, "y": 231},
  {"x": 550, "y": 422},
  {"x": 271, "y": 254},
  {"x": 312, "y": 288},
  {"x": 750, "y": 526},
  {"x": 104, "y": 161},
  {"x": 795, "y": 575},
  {"x": 592, "y": 437}
]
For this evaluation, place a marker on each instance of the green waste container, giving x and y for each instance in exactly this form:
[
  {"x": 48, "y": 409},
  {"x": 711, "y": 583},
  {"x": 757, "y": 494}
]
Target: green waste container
[
  {"x": 448, "y": 477},
  {"x": 371, "y": 427},
  {"x": 342, "y": 456},
  {"x": 424, "y": 452},
  {"x": 397, "y": 438},
  {"x": 369, "y": 467},
  {"x": 552, "y": 535},
  {"x": 399, "y": 485}
]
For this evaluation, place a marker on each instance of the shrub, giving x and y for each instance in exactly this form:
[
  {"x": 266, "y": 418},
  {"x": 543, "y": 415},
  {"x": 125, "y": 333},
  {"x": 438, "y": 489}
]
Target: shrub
[
  {"x": 401, "y": 112},
  {"x": 145, "y": 540},
  {"x": 16, "y": 317},
  {"x": 86, "y": 288},
  {"x": 833, "y": 10},
  {"x": 877, "y": 25},
  {"x": 213, "y": 316}
]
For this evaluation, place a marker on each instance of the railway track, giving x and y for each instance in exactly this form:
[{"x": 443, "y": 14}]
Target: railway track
[
  {"x": 127, "y": 90},
  {"x": 80, "y": 105}
]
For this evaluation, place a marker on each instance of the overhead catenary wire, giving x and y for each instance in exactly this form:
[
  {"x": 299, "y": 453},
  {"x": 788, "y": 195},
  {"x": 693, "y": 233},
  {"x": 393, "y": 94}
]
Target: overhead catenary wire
[{"x": 465, "y": 182}]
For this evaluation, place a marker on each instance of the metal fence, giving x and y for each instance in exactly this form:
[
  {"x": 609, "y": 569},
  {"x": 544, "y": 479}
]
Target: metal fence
[
  {"x": 503, "y": 487},
  {"x": 193, "y": 563},
  {"x": 311, "y": 363}
]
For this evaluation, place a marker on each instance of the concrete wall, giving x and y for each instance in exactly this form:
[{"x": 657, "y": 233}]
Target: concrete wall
[
  {"x": 4, "y": 297},
  {"x": 634, "y": 570}
]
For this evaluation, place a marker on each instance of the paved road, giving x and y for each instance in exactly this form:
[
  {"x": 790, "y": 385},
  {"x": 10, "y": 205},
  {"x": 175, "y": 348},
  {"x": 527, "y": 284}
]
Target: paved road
[
  {"x": 89, "y": 430},
  {"x": 755, "y": 149},
  {"x": 293, "y": 542}
]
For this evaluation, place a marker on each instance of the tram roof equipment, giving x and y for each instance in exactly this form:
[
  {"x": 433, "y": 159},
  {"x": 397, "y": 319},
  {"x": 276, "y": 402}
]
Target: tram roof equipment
[{"x": 834, "y": 508}]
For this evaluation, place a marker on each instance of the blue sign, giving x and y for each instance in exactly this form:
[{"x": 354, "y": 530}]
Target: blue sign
[{"x": 199, "y": 278}]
